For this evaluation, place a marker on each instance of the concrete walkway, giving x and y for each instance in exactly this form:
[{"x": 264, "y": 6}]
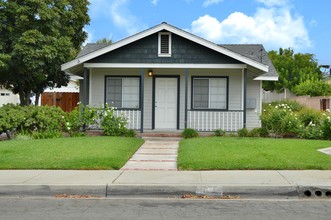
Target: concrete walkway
[{"x": 155, "y": 154}]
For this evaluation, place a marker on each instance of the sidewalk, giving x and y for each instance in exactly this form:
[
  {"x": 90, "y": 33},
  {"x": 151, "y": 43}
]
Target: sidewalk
[{"x": 246, "y": 184}]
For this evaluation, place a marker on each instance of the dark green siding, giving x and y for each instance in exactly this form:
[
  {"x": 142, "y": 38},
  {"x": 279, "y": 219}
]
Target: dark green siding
[{"x": 146, "y": 51}]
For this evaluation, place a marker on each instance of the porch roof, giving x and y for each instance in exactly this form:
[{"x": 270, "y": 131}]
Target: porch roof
[{"x": 247, "y": 54}]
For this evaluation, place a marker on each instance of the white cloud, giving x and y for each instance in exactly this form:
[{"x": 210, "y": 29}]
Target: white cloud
[
  {"x": 207, "y": 3},
  {"x": 154, "y": 2},
  {"x": 90, "y": 36},
  {"x": 117, "y": 11},
  {"x": 271, "y": 3},
  {"x": 273, "y": 27}
]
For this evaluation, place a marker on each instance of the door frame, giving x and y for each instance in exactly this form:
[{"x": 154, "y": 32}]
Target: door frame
[{"x": 153, "y": 97}]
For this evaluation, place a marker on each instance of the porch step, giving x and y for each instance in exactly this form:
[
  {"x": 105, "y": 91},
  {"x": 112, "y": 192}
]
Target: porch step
[{"x": 155, "y": 154}]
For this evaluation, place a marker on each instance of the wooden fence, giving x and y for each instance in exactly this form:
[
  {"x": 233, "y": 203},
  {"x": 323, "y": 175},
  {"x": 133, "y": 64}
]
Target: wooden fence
[{"x": 66, "y": 100}]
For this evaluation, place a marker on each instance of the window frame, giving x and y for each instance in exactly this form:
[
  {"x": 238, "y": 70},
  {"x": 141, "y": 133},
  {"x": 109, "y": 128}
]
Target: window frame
[
  {"x": 159, "y": 44},
  {"x": 210, "y": 109},
  {"x": 122, "y": 77}
]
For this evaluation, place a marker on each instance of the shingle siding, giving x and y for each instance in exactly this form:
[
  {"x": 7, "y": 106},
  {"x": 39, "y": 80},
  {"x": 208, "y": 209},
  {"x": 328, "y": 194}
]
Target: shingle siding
[{"x": 146, "y": 51}]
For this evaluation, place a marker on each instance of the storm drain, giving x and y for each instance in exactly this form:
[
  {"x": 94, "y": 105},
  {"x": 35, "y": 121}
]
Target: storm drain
[{"x": 318, "y": 193}]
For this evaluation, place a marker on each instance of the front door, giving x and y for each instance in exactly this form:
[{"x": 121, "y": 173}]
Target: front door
[{"x": 166, "y": 103}]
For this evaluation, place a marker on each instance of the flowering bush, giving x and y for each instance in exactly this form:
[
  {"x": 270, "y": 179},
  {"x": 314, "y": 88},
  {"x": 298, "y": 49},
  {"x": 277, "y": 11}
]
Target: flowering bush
[
  {"x": 280, "y": 120},
  {"x": 113, "y": 125},
  {"x": 286, "y": 119},
  {"x": 79, "y": 117}
]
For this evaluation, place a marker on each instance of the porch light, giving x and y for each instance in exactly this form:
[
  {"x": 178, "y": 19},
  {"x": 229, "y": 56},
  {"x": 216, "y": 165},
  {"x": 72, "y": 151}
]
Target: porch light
[{"x": 150, "y": 73}]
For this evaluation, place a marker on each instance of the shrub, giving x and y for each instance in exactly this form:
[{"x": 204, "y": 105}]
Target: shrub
[
  {"x": 311, "y": 131},
  {"x": 47, "y": 134},
  {"x": 326, "y": 126},
  {"x": 112, "y": 125},
  {"x": 79, "y": 117},
  {"x": 243, "y": 132},
  {"x": 255, "y": 132},
  {"x": 11, "y": 117},
  {"x": 263, "y": 132},
  {"x": 219, "y": 132},
  {"x": 189, "y": 133},
  {"x": 43, "y": 118},
  {"x": 309, "y": 116},
  {"x": 130, "y": 133}
]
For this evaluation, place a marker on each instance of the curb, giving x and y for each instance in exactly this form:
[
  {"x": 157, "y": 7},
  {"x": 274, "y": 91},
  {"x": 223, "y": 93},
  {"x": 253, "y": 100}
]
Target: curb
[
  {"x": 52, "y": 190},
  {"x": 208, "y": 190},
  {"x": 165, "y": 191}
]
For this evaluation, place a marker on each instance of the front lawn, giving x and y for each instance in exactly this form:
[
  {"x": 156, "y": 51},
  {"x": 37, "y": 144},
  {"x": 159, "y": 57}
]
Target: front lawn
[
  {"x": 91, "y": 153},
  {"x": 233, "y": 153}
]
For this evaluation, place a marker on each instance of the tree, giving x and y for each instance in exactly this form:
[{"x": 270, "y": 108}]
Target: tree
[
  {"x": 313, "y": 88},
  {"x": 104, "y": 41},
  {"x": 37, "y": 36},
  {"x": 292, "y": 69}
]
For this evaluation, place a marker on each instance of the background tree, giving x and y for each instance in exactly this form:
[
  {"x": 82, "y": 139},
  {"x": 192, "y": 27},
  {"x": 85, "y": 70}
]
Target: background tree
[
  {"x": 293, "y": 69},
  {"x": 104, "y": 41},
  {"x": 37, "y": 36}
]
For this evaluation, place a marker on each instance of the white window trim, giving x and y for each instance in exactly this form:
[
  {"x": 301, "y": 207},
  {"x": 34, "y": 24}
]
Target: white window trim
[{"x": 159, "y": 45}]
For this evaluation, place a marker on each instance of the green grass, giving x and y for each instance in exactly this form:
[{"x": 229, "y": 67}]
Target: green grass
[
  {"x": 233, "y": 153},
  {"x": 90, "y": 153}
]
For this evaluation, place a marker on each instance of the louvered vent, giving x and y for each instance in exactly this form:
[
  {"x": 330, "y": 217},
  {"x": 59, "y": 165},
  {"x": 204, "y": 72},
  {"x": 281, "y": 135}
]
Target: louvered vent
[{"x": 164, "y": 44}]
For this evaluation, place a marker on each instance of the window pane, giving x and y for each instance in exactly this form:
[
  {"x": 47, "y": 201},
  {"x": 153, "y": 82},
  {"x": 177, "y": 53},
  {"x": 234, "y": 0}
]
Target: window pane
[
  {"x": 130, "y": 93},
  {"x": 114, "y": 92},
  {"x": 217, "y": 93},
  {"x": 200, "y": 93}
]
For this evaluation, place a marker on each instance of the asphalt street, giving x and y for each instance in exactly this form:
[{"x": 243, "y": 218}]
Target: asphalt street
[{"x": 100, "y": 208}]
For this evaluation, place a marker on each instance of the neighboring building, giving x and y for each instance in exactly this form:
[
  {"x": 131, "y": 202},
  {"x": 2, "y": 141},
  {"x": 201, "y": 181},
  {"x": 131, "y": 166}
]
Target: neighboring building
[
  {"x": 7, "y": 97},
  {"x": 165, "y": 79}
]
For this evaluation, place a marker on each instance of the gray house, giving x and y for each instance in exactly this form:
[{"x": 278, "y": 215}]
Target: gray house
[{"x": 165, "y": 78}]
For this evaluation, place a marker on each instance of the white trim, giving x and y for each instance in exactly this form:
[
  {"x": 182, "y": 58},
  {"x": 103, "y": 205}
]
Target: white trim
[
  {"x": 90, "y": 88},
  {"x": 172, "y": 29},
  {"x": 164, "y": 65},
  {"x": 267, "y": 78}
]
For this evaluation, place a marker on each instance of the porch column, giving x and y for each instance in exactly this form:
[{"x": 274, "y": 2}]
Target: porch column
[
  {"x": 245, "y": 97},
  {"x": 186, "y": 95},
  {"x": 86, "y": 72},
  {"x": 142, "y": 80}
]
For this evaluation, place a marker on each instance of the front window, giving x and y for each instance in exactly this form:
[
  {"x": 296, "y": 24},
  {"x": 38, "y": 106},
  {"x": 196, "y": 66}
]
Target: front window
[
  {"x": 123, "y": 92},
  {"x": 210, "y": 93}
]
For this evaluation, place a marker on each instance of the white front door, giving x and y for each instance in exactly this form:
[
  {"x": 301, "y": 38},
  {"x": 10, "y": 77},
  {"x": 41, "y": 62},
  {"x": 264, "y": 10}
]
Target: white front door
[{"x": 166, "y": 103}]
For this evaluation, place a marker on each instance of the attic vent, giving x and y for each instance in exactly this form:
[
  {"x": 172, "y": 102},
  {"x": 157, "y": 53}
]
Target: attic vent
[{"x": 164, "y": 44}]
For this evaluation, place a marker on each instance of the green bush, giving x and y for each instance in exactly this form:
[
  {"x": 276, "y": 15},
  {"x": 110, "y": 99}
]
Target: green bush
[
  {"x": 255, "y": 132},
  {"x": 219, "y": 132},
  {"x": 11, "y": 117},
  {"x": 309, "y": 116},
  {"x": 280, "y": 119},
  {"x": 243, "y": 132},
  {"x": 311, "y": 131},
  {"x": 262, "y": 132},
  {"x": 47, "y": 134},
  {"x": 113, "y": 125},
  {"x": 130, "y": 133},
  {"x": 79, "y": 117},
  {"x": 326, "y": 126},
  {"x": 189, "y": 133}
]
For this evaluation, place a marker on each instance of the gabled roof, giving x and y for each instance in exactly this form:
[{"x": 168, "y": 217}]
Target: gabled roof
[
  {"x": 255, "y": 52},
  {"x": 245, "y": 53}
]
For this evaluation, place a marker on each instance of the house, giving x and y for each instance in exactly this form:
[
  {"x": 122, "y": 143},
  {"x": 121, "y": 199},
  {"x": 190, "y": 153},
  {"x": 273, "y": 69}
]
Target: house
[
  {"x": 165, "y": 78},
  {"x": 7, "y": 96}
]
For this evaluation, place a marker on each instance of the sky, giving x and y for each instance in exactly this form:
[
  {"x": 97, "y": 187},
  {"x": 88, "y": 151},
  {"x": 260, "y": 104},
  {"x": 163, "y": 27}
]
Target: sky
[{"x": 302, "y": 25}]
